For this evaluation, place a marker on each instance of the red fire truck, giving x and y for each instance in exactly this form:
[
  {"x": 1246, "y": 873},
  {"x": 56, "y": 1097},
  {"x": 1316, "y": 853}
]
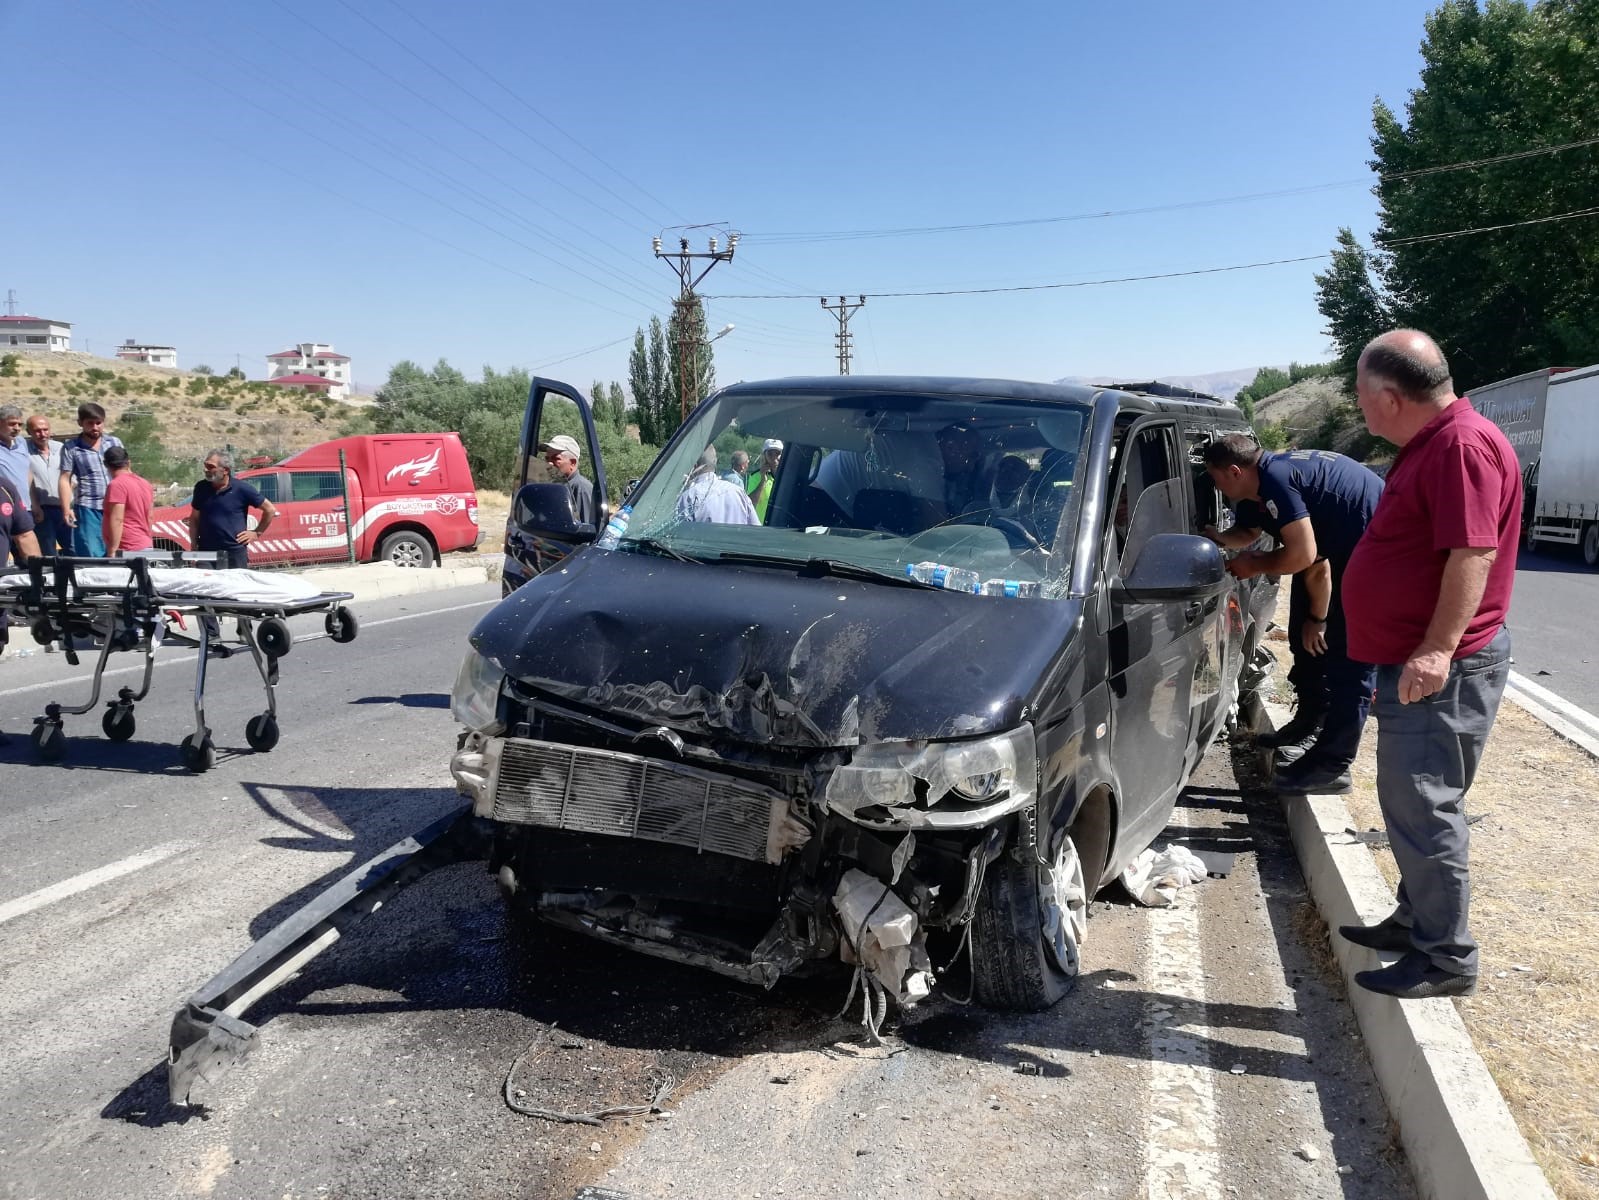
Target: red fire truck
[{"x": 411, "y": 498}]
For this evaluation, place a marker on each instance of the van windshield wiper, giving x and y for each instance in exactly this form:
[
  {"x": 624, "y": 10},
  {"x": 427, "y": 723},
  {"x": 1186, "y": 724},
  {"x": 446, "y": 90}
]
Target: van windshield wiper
[
  {"x": 837, "y": 567},
  {"x": 652, "y": 545}
]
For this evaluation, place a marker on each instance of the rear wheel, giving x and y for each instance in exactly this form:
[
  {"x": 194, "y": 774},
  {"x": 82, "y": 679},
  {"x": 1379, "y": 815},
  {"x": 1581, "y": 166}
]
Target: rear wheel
[
  {"x": 406, "y": 549},
  {"x": 1030, "y": 925},
  {"x": 1590, "y": 543}
]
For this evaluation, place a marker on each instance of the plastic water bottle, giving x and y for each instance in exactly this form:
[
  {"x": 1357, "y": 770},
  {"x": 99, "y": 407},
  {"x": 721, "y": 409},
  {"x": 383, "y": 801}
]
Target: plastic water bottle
[
  {"x": 1010, "y": 587},
  {"x": 954, "y": 579},
  {"x": 615, "y": 528}
]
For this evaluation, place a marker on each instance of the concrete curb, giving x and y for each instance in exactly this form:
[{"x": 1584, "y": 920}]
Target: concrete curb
[
  {"x": 380, "y": 581},
  {"x": 1462, "y": 1141}
]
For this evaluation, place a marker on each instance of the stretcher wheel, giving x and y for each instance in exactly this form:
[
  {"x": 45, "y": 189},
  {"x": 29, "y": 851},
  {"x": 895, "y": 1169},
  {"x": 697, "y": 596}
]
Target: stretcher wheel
[
  {"x": 261, "y": 732},
  {"x": 43, "y": 632},
  {"x": 273, "y": 636},
  {"x": 341, "y": 625},
  {"x": 198, "y": 756},
  {"x": 118, "y": 722},
  {"x": 49, "y": 741}
]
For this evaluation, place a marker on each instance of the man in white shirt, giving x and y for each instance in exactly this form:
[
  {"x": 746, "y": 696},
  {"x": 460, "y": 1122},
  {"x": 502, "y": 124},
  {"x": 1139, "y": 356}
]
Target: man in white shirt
[{"x": 705, "y": 497}]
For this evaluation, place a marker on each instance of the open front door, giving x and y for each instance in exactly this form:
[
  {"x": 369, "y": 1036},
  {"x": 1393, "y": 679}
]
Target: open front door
[{"x": 561, "y": 503}]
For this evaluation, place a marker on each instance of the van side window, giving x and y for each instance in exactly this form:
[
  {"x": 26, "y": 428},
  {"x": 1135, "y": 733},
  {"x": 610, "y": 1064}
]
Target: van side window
[
  {"x": 1150, "y": 500},
  {"x": 313, "y": 485},
  {"x": 1209, "y": 506}
]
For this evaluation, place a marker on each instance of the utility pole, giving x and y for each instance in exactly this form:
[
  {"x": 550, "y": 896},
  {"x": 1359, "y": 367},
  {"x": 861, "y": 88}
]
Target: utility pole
[
  {"x": 11, "y": 302},
  {"x": 843, "y": 310},
  {"x": 688, "y": 348}
]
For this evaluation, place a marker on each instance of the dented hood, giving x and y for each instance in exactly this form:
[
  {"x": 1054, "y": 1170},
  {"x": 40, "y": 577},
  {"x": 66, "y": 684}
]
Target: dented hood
[{"x": 774, "y": 656}]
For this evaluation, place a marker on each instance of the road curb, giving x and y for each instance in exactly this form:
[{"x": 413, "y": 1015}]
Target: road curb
[
  {"x": 1462, "y": 1142},
  {"x": 381, "y": 581}
]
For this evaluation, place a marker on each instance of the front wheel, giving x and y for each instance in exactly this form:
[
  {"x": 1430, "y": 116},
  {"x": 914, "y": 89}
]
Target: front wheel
[
  {"x": 1030, "y": 925},
  {"x": 406, "y": 549},
  {"x": 1590, "y": 543}
]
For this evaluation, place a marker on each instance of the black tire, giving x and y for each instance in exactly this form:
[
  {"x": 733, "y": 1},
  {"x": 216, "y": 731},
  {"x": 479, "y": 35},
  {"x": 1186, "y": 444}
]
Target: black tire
[
  {"x": 49, "y": 741},
  {"x": 118, "y": 722},
  {"x": 1028, "y": 933},
  {"x": 43, "y": 632},
  {"x": 341, "y": 625},
  {"x": 1590, "y": 543},
  {"x": 274, "y": 638},
  {"x": 261, "y": 732},
  {"x": 198, "y": 756},
  {"x": 407, "y": 549}
]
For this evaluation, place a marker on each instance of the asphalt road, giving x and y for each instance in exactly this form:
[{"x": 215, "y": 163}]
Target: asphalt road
[
  {"x": 1552, "y": 614},
  {"x": 1203, "y": 1046}
]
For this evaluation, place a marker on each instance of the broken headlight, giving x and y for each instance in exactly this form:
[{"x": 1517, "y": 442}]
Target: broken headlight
[
  {"x": 475, "y": 702},
  {"x": 947, "y": 784}
]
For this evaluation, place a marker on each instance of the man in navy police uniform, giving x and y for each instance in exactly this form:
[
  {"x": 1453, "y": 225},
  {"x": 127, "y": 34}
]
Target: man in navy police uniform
[{"x": 1316, "y": 504}]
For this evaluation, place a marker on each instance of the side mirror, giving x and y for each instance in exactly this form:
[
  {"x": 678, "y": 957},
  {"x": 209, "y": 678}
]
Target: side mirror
[
  {"x": 1173, "y": 566},
  {"x": 545, "y": 510}
]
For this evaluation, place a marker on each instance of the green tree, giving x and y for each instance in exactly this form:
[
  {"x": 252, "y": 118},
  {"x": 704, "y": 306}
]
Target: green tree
[
  {"x": 690, "y": 362},
  {"x": 618, "y": 406},
  {"x": 201, "y": 369},
  {"x": 1497, "y": 77},
  {"x": 235, "y": 373},
  {"x": 1349, "y": 299},
  {"x": 661, "y": 398},
  {"x": 9, "y": 364},
  {"x": 638, "y": 382}
]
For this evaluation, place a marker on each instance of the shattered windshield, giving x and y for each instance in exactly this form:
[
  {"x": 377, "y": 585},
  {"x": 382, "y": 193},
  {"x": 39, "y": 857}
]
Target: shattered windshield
[{"x": 964, "y": 493}]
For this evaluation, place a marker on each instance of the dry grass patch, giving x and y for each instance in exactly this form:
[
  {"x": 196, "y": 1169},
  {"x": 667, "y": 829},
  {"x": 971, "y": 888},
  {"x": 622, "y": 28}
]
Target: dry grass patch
[{"x": 1535, "y": 1017}]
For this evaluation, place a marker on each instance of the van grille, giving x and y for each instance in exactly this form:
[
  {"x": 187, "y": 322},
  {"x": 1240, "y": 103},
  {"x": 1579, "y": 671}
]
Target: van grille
[{"x": 583, "y": 790}]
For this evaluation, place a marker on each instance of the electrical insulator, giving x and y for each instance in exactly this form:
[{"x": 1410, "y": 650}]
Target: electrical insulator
[
  {"x": 713, "y": 245},
  {"x": 656, "y": 242}
]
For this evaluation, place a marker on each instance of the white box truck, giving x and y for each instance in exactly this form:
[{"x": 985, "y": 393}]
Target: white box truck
[{"x": 1562, "y": 497}]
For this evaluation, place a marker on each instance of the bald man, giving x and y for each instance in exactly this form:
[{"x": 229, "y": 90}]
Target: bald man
[{"x": 1426, "y": 593}]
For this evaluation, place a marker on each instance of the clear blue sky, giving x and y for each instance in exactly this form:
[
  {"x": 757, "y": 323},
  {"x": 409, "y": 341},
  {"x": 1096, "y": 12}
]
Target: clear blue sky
[{"x": 480, "y": 181}]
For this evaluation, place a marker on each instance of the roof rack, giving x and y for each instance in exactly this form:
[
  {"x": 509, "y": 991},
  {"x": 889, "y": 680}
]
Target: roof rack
[{"x": 1168, "y": 391}]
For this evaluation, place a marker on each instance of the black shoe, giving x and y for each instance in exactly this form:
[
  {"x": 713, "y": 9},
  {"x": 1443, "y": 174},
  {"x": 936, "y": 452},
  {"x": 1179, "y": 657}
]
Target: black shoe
[
  {"x": 1303, "y": 725},
  {"x": 1305, "y": 778},
  {"x": 1387, "y": 934},
  {"x": 1293, "y": 752},
  {"x": 1414, "y": 977}
]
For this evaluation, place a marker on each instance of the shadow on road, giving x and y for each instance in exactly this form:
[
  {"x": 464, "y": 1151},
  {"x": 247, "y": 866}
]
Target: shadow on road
[{"x": 409, "y": 700}]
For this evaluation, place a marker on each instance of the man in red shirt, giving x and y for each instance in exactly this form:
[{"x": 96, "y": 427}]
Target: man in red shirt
[
  {"x": 1425, "y": 594},
  {"x": 128, "y": 501}
]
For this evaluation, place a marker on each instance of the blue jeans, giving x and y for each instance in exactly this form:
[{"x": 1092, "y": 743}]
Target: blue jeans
[
  {"x": 1427, "y": 756},
  {"x": 87, "y": 539},
  {"x": 54, "y": 534}
]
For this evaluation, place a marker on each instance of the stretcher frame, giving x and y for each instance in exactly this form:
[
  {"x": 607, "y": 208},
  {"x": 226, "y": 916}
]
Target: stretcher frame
[{"x": 134, "y": 615}]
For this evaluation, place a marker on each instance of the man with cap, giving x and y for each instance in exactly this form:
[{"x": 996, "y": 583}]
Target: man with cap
[
  {"x": 561, "y": 453},
  {"x": 760, "y": 486}
]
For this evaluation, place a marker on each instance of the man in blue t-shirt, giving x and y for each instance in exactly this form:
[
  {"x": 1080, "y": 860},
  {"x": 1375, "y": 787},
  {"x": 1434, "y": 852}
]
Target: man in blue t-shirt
[
  {"x": 220, "y": 510},
  {"x": 1317, "y": 505}
]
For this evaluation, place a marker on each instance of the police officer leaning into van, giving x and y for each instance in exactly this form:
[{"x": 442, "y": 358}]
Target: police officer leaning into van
[{"x": 1316, "y": 504}]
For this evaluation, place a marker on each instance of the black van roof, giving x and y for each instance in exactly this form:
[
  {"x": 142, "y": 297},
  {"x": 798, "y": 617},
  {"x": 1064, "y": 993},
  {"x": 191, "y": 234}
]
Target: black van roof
[{"x": 996, "y": 389}]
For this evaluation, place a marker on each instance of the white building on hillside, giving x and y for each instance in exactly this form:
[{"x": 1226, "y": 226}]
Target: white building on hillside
[
  {"x": 34, "y": 333},
  {"x": 150, "y": 356},
  {"x": 313, "y": 359}
]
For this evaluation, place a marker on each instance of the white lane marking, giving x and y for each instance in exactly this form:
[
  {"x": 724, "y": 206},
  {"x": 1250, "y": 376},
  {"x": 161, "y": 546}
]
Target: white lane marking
[
  {"x": 1182, "y": 1157},
  {"x": 82, "y": 883},
  {"x": 1564, "y": 717},
  {"x": 189, "y": 658}
]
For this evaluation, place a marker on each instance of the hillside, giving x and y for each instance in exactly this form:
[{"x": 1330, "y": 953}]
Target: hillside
[
  {"x": 1222, "y": 384},
  {"x": 1320, "y": 413},
  {"x": 192, "y": 413}
]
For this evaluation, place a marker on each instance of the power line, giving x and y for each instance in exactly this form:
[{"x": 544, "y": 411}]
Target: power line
[
  {"x": 1179, "y": 206},
  {"x": 1275, "y": 262},
  {"x": 492, "y": 78}
]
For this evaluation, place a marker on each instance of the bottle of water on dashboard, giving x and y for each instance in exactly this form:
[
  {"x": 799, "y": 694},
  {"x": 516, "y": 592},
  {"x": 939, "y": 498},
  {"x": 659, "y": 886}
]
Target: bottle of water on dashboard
[
  {"x": 615, "y": 527},
  {"x": 954, "y": 579},
  {"x": 1010, "y": 587}
]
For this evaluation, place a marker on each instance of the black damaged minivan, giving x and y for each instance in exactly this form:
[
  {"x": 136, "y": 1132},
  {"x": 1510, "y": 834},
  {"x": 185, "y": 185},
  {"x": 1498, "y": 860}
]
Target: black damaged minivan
[{"x": 916, "y": 700}]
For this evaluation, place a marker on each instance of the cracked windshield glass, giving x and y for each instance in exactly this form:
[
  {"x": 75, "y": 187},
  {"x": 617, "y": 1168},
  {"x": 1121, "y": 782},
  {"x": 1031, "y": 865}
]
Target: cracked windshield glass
[{"x": 938, "y": 491}]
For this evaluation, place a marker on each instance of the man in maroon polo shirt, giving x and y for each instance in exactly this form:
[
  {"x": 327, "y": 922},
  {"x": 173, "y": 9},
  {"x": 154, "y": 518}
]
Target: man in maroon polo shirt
[{"x": 1425, "y": 594}]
